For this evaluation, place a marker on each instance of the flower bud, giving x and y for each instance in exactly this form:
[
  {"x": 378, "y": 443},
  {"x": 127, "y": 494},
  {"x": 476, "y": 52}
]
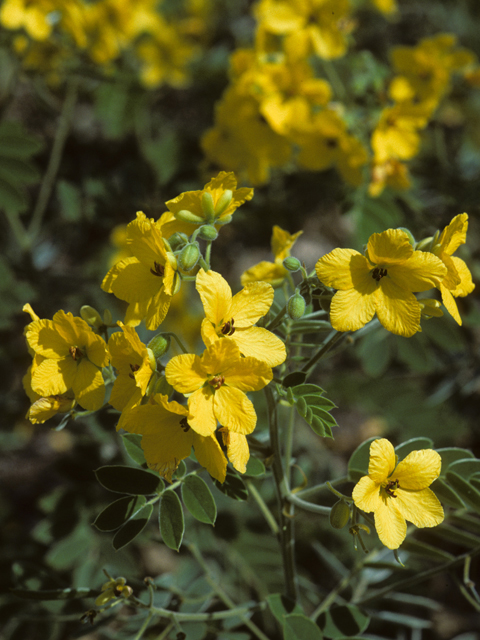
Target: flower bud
[
  {"x": 207, "y": 232},
  {"x": 223, "y": 221},
  {"x": 189, "y": 256},
  {"x": 187, "y": 216},
  {"x": 339, "y": 514},
  {"x": 163, "y": 387},
  {"x": 159, "y": 345},
  {"x": 107, "y": 317},
  {"x": 411, "y": 239},
  {"x": 208, "y": 206},
  {"x": 296, "y": 306},
  {"x": 223, "y": 202},
  {"x": 292, "y": 264},
  {"x": 91, "y": 316},
  {"x": 177, "y": 240},
  {"x": 430, "y": 308}
]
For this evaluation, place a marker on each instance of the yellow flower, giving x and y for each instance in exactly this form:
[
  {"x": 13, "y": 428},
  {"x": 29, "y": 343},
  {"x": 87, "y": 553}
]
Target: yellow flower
[
  {"x": 390, "y": 173},
  {"x": 396, "y": 134},
  {"x": 214, "y": 204},
  {"x": 147, "y": 280},
  {"x": 381, "y": 282},
  {"x": 399, "y": 492},
  {"x": 458, "y": 281},
  {"x": 386, "y": 7},
  {"x": 237, "y": 449},
  {"x": 216, "y": 383},
  {"x": 167, "y": 438},
  {"x": 135, "y": 365},
  {"x": 235, "y": 317},
  {"x": 112, "y": 589},
  {"x": 273, "y": 272},
  {"x": 42, "y": 408},
  {"x": 72, "y": 357},
  {"x": 32, "y": 16}
]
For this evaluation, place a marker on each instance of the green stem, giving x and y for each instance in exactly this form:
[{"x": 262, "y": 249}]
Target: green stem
[
  {"x": 308, "y": 506},
  {"x": 277, "y": 319},
  {"x": 54, "y": 161},
  {"x": 334, "y": 80},
  {"x": 224, "y": 597},
  {"x": 178, "y": 341},
  {"x": 286, "y": 508},
  {"x": 18, "y": 229},
  {"x": 263, "y": 507},
  {"x": 336, "y": 337},
  {"x": 311, "y": 491},
  {"x": 144, "y": 626}
]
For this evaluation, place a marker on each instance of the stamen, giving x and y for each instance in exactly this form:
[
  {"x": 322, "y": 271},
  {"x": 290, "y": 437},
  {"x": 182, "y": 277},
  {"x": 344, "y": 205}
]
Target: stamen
[
  {"x": 184, "y": 424},
  {"x": 216, "y": 382},
  {"x": 228, "y": 329},
  {"x": 133, "y": 367},
  {"x": 391, "y": 487},
  {"x": 75, "y": 353},
  {"x": 378, "y": 273},
  {"x": 159, "y": 270}
]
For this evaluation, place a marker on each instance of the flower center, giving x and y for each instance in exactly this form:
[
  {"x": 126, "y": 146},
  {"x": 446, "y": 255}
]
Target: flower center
[
  {"x": 158, "y": 270},
  {"x": 228, "y": 329},
  {"x": 133, "y": 367},
  {"x": 216, "y": 382},
  {"x": 378, "y": 273},
  {"x": 184, "y": 424},
  {"x": 75, "y": 353},
  {"x": 392, "y": 486}
]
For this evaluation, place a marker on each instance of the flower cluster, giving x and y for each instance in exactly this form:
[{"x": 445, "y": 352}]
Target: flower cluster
[{"x": 51, "y": 33}]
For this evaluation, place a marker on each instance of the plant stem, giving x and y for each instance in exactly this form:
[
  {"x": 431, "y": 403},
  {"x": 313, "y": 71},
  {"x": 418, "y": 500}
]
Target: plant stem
[
  {"x": 308, "y": 506},
  {"x": 263, "y": 508},
  {"x": 335, "y": 337},
  {"x": 286, "y": 508},
  {"x": 54, "y": 161}
]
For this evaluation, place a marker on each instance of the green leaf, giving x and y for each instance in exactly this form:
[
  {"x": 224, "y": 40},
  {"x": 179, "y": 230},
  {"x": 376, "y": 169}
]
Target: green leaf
[
  {"x": 18, "y": 170},
  {"x": 425, "y": 550},
  {"x": 358, "y": 463},
  {"x": 320, "y": 402},
  {"x": 11, "y": 197},
  {"x": 16, "y": 142},
  {"x": 414, "y": 444},
  {"x": 255, "y": 467},
  {"x": 451, "y": 454},
  {"x": 456, "y": 535},
  {"x": 307, "y": 389},
  {"x": 318, "y": 426},
  {"x": 117, "y": 513},
  {"x": 163, "y": 155},
  {"x": 70, "y": 199},
  {"x": 133, "y": 446},
  {"x": 299, "y": 627},
  {"x": 282, "y": 606},
  {"x": 465, "y": 467},
  {"x": 467, "y": 492},
  {"x": 132, "y": 528},
  {"x": 342, "y": 621},
  {"x": 198, "y": 499},
  {"x": 233, "y": 486},
  {"x": 446, "y": 494},
  {"x": 129, "y": 480},
  {"x": 172, "y": 523},
  {"x": 294, "y": 378},
  {"x": 181, "y": 470}
]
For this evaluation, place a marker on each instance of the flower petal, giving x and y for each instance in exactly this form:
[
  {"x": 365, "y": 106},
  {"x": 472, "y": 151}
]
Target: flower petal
[
  {"x": 234, "y": 410},
  {"x": 261, "y": 344},
  {"x": 210, "y": 455},
  {"x": 418, "y": 470},
  {"x": 216, "y": 296},
  {"x": 337, "y": 268},
  {"x": 251, "y": 303},
  {"x": 450, "y": 304},
  {"x": 89, "y": 386},
  {"x": 237, "y": 449},
  {"x": 390, "y": 524},
  {"x": 389, "y": 247},
  {"x": 201, "y": 414},
  {"x": 465, "y": 285},
  {"x": 382, "y": 460},
  {"x": 366, "y": 494},
  {"x": 351, "y": 310},
  {"x": 420, "y": 507},
  {"x": 185, "y": 373},
  {"x": 454, "y": 234},
  {"x": 397, "y": 309},
  {"x": 421, "y": 272}
]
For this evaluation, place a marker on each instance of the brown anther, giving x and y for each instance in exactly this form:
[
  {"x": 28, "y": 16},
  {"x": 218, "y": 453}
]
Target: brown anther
[
  {"x": 228, "y": 329},
  {"x": 378, "y": 273},
  {"x": 391, "y": 487},
  {"x": 158, "y": 270},
  {"x": 331, "y": 143},
  {"x": 216, "y": 382},
  {"x": 134, "y": 368},
  {"x": 184, "y": 424},
  {"x": 75, "y": 353}
]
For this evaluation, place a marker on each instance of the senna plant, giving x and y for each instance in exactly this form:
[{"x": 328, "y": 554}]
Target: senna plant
[{"x": 217, "y": 423}]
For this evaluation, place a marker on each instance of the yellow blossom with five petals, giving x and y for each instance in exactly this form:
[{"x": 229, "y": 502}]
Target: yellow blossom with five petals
[
  {"x": 167, "y": 438},
  {"x": 235, "y": 317},
  {"x": 399, "y": 492},
  {"x": 147, "y": 280},
  {"x": 381, "y": 282},
  {"x": 216, "y": 384},
  {"x": 72, "y": 357}
]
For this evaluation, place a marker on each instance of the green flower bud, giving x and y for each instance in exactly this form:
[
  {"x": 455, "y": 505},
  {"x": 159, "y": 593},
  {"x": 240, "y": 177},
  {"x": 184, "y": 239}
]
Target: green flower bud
[
  {"x": 411, "y": 239},
  {"x": 189, "y": 256},
  {"x": 223, "y": 221},
  {"x": 223, "y": 202},
  {"x": 187, "y": 216},
  {"x": 296, "y": 306},
  {"x": 107, "y": 317},
  {"x": 292, "y": 264},
  {"x": 163, "y": 387},
  {"x": 207, "y": 232},
  {"x": 159, "y": 345},
  {"x": 339, "y": 514},
  {"x": 208, "y": 206},
  {"x": 91, "y": 316},
  {"x": 177, "y": 240}
]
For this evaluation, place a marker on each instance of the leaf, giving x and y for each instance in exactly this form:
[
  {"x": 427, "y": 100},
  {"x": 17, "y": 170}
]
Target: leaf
[
  {"x": 307, "y": 389},
  {"x": 425, "y": 550},
  {"x": 16, "y": 142},
  {"x": 198, "y": 499},
  {"x": 121, "y": 479},
  {"x": 163, "y": 155},
  {"x": 282, "y": 606},
  {"x": 132, "y": 528},
  {"x": 446, "y": 494},
  {"x": 233, "y": 486},
  {"x": 55, "y": 594},
  {"x": 299, "y": 627},
  {"x": 11, "y": 197},
  {"x": 358, "y": 463},
  {"x": 342, "y": 621},
  {"x": 117, "y": 513},
  {"x": 70, "y": 199},
  {"x": 255, "y": 467},
  {"x": 465, "y": 467},
  {"x": 414, "y": 444},
  {"x": 172, "y": 523},
  {"x": 320, "y": 402},
  {"x": 467, "y": 492},
  {"x": 133, "y": 446},
  {"x": 451, "y": 454},
  {"x": 293, "y": 379},
  {"x": 18, "y": 170}
]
